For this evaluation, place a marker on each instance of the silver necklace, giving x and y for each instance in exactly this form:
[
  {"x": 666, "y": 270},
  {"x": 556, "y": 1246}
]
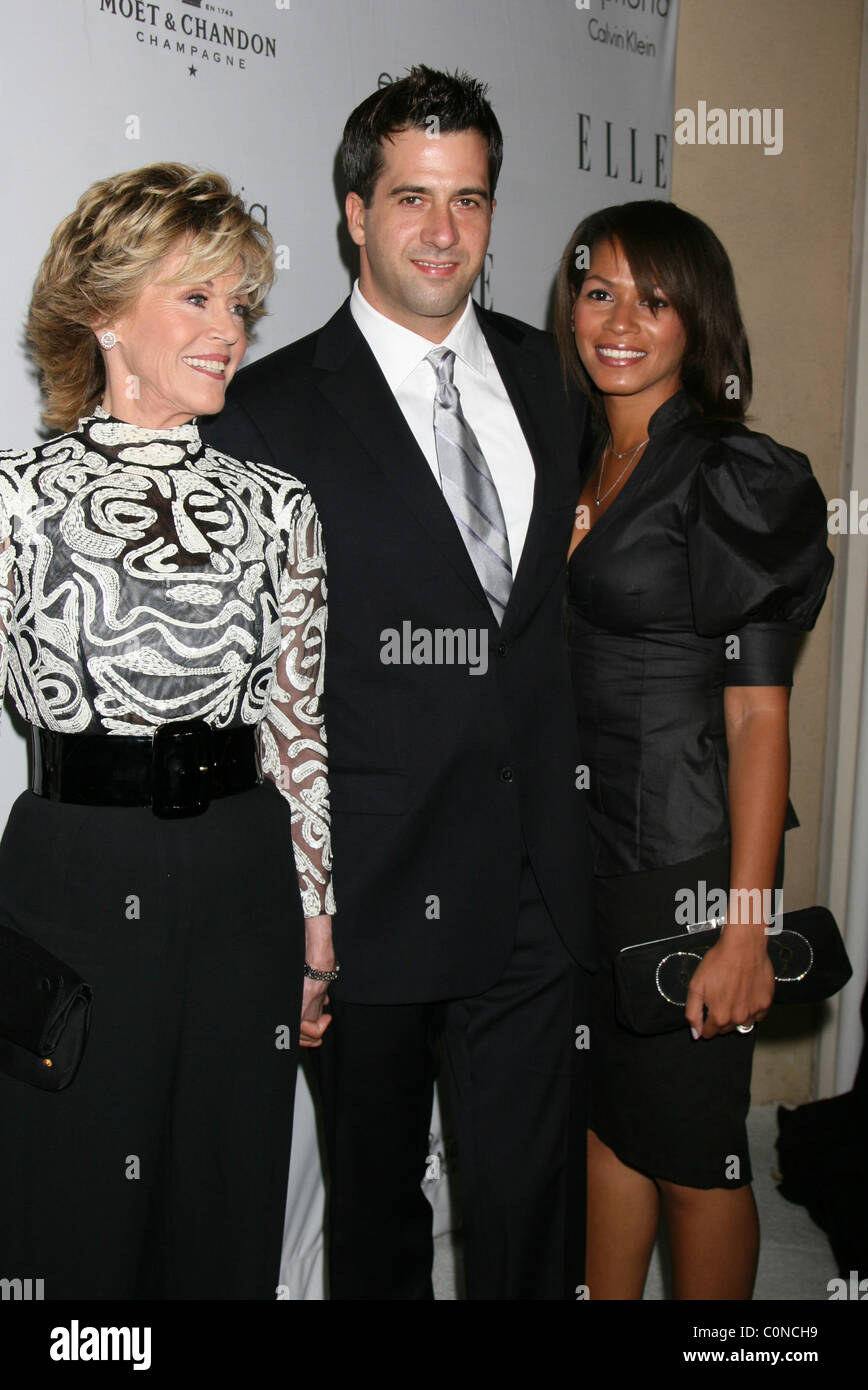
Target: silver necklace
[{"x": 601, "y": 496}]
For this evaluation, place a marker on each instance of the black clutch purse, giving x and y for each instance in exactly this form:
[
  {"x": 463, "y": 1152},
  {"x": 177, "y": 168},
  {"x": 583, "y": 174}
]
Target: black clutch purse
[
  {"x": 44, "y": 1014},
  {"x": 651, "y": 979}
]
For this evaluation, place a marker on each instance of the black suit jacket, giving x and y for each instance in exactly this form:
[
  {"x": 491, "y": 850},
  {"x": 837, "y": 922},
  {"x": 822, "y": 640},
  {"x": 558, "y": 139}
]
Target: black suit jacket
[{"x": 440, "y": 777}]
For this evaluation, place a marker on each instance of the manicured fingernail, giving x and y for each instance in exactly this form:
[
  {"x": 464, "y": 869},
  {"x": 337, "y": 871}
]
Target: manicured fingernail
[{"x": 696, "y": 1033}]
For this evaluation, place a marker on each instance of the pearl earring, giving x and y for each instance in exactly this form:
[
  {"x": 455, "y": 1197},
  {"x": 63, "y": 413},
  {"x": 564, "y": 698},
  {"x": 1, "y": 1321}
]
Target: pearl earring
[{"x": 108, "y": 340}]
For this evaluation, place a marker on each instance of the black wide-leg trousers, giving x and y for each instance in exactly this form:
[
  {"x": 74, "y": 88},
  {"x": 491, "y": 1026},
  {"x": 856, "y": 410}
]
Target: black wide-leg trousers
[
  {"x": 161, "y": 1172},
  {"x": 516, "y": 1085}
]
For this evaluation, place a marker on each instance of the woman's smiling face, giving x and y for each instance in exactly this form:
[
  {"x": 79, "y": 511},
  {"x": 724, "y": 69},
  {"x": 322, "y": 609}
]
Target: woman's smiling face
[
  {"x": 178, "y": 347},
  {"x": 628, "y": 346}
]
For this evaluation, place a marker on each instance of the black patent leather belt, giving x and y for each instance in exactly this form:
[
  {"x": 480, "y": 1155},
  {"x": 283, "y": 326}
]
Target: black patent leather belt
[{"x": 176, "y": 773}]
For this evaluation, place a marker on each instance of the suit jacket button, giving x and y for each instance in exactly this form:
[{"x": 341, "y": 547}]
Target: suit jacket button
[
  {"x": 506, "y": 774},
  {"x": 502, "y": 648}
]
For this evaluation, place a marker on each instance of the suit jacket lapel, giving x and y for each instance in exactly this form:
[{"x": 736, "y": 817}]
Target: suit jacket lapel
[
  {"x": 529, "y": 384},
  {"x": 357, "y": 390}
]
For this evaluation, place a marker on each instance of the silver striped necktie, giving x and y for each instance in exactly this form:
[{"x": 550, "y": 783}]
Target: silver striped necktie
[{"x": 468, "y": 487}]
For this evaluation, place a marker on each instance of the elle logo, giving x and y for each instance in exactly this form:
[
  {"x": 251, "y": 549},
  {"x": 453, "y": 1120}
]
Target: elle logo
[{"x": 621, "y": 153}]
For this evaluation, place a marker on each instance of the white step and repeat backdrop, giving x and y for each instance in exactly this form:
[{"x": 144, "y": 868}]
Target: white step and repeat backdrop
[{"x": 260, "y": 90}]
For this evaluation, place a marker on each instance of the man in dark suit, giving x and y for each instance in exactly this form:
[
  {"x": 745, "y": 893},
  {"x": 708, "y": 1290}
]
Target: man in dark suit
[{"x": 446, "y": 483}]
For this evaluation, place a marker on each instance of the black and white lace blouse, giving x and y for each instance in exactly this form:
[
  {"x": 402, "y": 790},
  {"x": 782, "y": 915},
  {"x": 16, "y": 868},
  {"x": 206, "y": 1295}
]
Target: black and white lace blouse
[{"x": 147, "y": 578}]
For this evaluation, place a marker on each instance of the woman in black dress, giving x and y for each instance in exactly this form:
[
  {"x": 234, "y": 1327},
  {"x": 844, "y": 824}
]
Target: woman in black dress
[
  {"x": 162, "y": 618},
  {"x": 698, "y": 556}
]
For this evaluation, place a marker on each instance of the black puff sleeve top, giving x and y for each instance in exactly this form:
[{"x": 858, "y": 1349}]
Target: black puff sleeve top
[{"x": 700, "y": 575}]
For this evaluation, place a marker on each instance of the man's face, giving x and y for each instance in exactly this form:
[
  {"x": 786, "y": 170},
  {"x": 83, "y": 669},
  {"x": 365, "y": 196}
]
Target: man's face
[{"x": 424, "y": 237}]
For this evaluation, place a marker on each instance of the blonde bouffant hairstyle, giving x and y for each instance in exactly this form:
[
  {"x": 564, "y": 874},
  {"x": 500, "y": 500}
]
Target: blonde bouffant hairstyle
[{"x": 104, "y": 253}]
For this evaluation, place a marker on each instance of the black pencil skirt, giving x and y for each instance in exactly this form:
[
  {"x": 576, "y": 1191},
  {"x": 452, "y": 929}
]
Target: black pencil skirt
[
  {"x": 161, "y": 1172},
  {"x": 671, "y": 1107}
]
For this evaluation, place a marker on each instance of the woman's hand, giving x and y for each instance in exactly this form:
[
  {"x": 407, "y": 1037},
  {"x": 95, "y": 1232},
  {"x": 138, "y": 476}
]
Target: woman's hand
[
  {"x": 313, "y": 1021},
  {"x": 319, "y": 953},
  {"x": 733, "y": 984}
]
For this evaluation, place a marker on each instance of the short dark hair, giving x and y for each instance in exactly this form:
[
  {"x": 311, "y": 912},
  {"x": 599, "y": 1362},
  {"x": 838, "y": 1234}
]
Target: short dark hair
[
  {"x": 669, "y": 249},
  {"x": 457, "y": 100}
]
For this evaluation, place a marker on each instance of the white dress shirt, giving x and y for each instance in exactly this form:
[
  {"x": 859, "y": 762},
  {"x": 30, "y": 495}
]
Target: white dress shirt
[{"x": 487, "y": 408}]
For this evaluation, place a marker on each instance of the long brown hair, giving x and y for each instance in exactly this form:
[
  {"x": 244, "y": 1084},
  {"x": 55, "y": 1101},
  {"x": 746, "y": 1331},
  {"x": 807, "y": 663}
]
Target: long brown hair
[{"x": 670, "y": 250}]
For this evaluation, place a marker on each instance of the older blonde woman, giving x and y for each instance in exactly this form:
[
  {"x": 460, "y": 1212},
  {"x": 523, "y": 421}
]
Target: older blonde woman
[{"x": 162, "y": 615}]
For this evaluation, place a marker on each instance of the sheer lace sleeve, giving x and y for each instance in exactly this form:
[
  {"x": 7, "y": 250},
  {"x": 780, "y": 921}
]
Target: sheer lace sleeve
[
  {"x": 7, "y": 591},
  {"x": 292, "y": 734}
]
